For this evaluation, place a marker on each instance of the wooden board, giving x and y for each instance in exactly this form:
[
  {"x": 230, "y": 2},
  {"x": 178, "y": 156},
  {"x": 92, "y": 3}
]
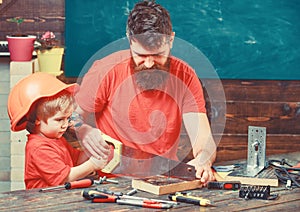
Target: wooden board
[
  {"x": 160, "y": 185},
  {"x": 266, "y": 177}
]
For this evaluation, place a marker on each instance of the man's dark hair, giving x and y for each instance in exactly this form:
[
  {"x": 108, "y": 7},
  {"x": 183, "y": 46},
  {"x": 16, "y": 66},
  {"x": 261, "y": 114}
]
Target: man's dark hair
[{"x": 149, "y": 23}]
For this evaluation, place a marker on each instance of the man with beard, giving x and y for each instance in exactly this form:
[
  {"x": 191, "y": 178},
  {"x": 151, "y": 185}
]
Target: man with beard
[{"x": 142, "y": 95}]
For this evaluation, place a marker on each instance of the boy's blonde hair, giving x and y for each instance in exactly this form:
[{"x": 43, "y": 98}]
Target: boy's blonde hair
[{"x": 47, "y": 107}]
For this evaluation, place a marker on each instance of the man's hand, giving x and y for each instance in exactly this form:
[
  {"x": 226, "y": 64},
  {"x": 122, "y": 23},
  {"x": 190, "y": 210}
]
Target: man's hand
[
  {"x": 202, "y": 141},
  {"x": 92, "y": 142},
  {"x": 203, "y": 170}
]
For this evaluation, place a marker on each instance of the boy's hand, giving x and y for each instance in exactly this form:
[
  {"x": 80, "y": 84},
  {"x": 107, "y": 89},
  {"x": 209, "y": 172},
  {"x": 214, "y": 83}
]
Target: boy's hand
[{"x": 98, "y": 164}]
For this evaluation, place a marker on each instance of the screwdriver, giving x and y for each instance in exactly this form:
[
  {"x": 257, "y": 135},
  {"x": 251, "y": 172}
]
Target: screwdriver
[
  {"x": 102, "y": 198},
  {"x": 84, "y": 183},
  {"x": 180, "y": 197},
  {"x": 91, "y": 194}
]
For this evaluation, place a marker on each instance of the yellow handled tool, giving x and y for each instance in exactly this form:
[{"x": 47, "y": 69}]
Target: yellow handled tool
[{"x": 186, "y": 198}]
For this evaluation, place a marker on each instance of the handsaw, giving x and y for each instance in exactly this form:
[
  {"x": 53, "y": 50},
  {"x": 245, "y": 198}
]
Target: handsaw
[{"x": 123, "y": 162}]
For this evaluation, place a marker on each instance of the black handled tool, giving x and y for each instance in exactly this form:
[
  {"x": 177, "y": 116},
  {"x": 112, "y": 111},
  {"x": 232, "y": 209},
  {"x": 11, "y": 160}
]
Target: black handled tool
[{"x": 226, "y": 185}]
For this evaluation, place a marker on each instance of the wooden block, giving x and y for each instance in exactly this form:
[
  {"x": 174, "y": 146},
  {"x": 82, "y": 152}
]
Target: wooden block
[
  {"x": 160, "y": 185},
  {"x": 265, "y": 178},
  {"x": 17, "y": 186},
  {"x": 22, "y": 68},
  {"x": 17, "y": 148},
  {"x": 14, "y": 79},
  {"x": 19, "y": 136},
  {"x": 17, "y": 175},
  {"x": 17, "y": 161}
]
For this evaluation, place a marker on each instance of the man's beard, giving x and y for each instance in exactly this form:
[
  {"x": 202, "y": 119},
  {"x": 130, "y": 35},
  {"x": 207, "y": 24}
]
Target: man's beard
[{"x": 151, "y": 78}]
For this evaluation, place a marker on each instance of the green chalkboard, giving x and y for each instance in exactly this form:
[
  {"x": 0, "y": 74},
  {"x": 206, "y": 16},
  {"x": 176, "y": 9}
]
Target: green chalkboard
[{"x": 238, "y": 39}]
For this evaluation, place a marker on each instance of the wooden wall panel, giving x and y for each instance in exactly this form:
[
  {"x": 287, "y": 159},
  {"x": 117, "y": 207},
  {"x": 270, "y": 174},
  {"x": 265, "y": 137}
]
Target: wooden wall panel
[
  {"x": 235, "y": 146},
  {"x": 269, "y": 114},
  {"x": 262, "y": 90},
  {"x": 273, "y": 104}
]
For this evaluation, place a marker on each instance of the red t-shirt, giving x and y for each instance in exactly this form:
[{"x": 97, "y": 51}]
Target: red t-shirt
[
  {"x": 147, "y": 120},
  {"x": 48, "y": 161}
]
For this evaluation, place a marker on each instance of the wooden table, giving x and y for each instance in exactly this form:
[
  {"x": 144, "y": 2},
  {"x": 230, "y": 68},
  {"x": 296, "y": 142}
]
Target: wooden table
[{"x": 223, "y": 200}]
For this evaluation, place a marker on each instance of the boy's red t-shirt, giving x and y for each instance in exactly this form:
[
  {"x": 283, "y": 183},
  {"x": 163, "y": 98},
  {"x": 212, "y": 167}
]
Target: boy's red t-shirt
[{"x": 48, "y": 161}]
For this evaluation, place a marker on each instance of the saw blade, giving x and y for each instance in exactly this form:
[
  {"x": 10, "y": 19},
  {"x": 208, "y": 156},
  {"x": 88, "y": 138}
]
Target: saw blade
[
  {"x": 136, "y": 163},
  {"x": 127, "y": 161}
]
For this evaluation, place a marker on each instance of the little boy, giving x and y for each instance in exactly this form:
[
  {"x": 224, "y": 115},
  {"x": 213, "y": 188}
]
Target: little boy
[{"x": 42, "y": 104}]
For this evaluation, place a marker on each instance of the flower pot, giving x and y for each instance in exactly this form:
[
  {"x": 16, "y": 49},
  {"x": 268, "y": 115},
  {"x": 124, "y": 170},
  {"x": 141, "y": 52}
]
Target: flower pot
[
  {"x": 21, "y": 48},
  {"x": 50, "y": 60}
]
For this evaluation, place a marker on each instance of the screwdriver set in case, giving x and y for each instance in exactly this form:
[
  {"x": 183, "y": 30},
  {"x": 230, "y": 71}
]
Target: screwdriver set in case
[{"x": 256, "y": 192}]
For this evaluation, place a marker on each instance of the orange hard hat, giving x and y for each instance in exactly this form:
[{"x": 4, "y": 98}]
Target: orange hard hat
[{"x": 30, "y": 89}]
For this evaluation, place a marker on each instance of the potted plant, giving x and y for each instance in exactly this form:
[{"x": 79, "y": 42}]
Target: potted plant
[
  {"x": 49, "y": 53},
  {"x": 20, "y": 45}
]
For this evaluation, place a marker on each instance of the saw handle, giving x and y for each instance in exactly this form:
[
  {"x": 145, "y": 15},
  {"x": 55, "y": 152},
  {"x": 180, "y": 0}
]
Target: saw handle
[{"x": 115, "y": 156}]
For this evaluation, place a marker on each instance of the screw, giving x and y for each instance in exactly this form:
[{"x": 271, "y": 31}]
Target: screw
[{"x": 104, "y": 179}]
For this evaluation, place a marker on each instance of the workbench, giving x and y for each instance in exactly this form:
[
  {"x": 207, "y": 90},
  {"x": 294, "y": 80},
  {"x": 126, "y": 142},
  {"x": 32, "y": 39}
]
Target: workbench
[{"x": 223, "y": 200}]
